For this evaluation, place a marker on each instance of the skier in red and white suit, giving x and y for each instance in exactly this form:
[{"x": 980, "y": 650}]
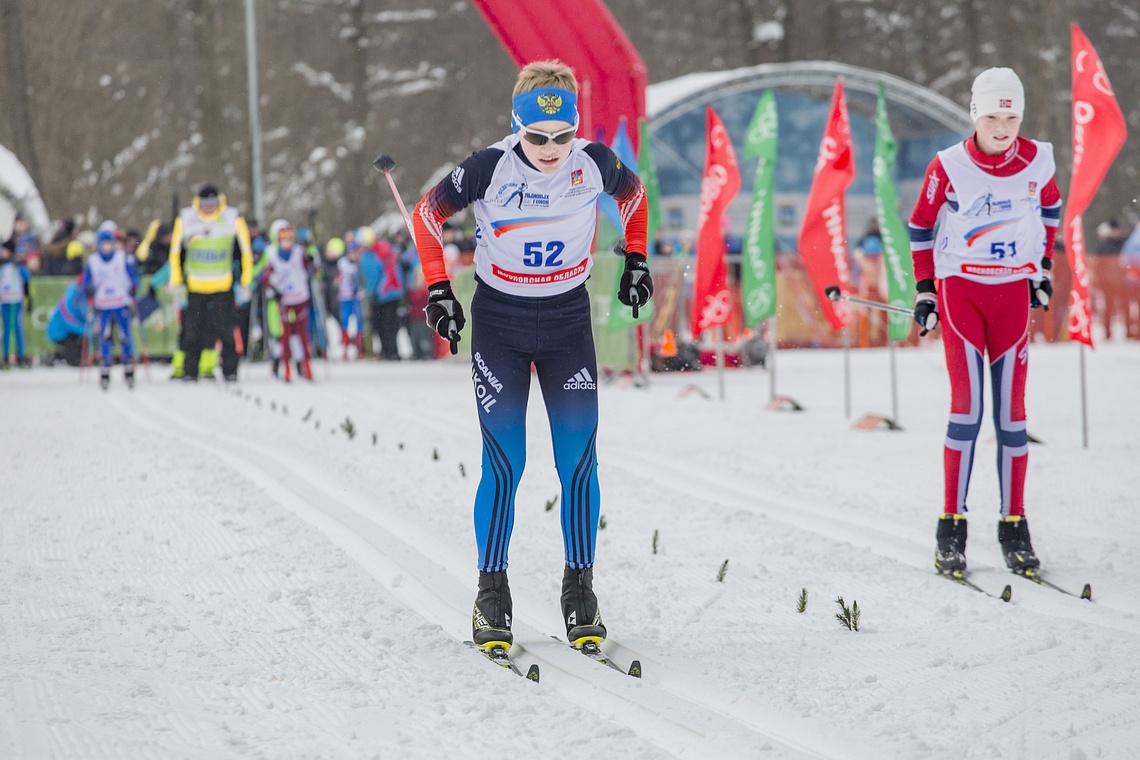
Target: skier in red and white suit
[{"x": 983, "y": 229}]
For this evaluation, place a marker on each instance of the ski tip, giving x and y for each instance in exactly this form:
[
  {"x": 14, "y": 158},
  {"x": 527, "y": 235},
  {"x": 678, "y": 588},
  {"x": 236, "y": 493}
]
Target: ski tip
[
  {"x": 1086, "y": 592},
  {"x": 384, "y": 163},
  {"x": 532, "y": 673},
  {"x": 1006, "y": 593},
  {"x": 635, "y": 669}
]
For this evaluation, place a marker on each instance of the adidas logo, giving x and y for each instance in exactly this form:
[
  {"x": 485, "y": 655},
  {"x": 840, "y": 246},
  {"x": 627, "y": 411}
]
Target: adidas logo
[{"x": 580, "y": 382}]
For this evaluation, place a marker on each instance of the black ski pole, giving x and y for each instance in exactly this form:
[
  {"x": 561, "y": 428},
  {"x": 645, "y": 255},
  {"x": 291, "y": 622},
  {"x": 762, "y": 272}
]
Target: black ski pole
[
  {"x": 384, "y": 163},
  {"x": 833, "y": 293}
]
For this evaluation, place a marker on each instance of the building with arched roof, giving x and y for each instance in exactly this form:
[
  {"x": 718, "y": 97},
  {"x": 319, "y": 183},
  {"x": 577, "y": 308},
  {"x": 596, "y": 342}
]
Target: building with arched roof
[
  {"x": 923, "y": 122},
  {"x": 18, "y": 194}
]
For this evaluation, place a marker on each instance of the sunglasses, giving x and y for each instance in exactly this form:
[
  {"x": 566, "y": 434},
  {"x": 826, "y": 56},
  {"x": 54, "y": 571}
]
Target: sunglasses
[{"x": 535, "y": 137}]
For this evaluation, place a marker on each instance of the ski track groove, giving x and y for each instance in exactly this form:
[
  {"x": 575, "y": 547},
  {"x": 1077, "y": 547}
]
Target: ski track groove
[
  {"x": 686, "y": 478},
  {"x": 738, "y": 491},
  {"x": 678, "y": 723}
]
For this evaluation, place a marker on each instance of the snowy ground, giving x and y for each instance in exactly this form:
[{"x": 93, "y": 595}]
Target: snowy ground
[{"x": 213, "y": 572}]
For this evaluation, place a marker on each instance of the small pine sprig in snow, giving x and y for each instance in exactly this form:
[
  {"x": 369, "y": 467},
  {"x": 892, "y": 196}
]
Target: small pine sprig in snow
[
  {"x": 801, "y": 603},
  {"x": 722, "y": 572},
  {"x": 848, "y": 617},
  {"x": 551, "y": 502},
  {"x": 348, "y": 428},
  {"x": 654, "y": 540}
]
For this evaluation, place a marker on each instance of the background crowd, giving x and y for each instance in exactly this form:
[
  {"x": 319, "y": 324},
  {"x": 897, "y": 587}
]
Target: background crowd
[
  {"x": 392, "y": 292},
  {"x": 388, "y": 286}
]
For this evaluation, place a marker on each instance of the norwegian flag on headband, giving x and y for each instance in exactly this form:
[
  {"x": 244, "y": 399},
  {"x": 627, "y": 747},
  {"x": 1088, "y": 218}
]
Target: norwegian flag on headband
[
  {"x": 712, "y": 304},
  {"x": 1099, "y": 132},
  {"x": 1004, "y": 103}
]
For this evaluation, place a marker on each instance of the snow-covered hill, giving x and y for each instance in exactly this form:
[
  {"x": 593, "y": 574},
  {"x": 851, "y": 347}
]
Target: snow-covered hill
[{"x": 222, "y": 572}]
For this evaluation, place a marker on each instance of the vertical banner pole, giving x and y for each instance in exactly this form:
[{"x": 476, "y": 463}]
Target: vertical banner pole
[
  {"x": 771, "y": 358},
  {"x": 645, "y": 363},
  {"x": 894, "y": 382},
  {"x": 847, "y": 372},
  {"x": 1084, "y": 403},
  {"x": 720, "y": 361}
]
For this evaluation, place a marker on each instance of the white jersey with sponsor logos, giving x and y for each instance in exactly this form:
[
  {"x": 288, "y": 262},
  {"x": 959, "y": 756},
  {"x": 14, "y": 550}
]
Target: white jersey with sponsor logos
[
  {"x": 348, "y": 280},
  {"x": 996, "y": 233},
  {"x": 289, "y": 277},
  {"x": 110, "y": 280},
  {"x": 11, "y": 283},
  {"x": 534, "y": 231}
]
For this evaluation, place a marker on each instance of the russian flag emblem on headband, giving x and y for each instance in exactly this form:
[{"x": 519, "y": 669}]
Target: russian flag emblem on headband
[
  {"x": 545, "y": 104},
  {"x": 1004, "y": 103}
]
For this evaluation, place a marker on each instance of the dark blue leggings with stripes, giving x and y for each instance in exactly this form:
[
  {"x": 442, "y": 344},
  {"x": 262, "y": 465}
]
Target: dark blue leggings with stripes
[{"x": 508, "y": 334}]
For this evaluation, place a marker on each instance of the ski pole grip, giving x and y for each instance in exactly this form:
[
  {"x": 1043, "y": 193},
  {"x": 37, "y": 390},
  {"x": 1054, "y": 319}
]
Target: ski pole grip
[{"x": 453, "y": 337}]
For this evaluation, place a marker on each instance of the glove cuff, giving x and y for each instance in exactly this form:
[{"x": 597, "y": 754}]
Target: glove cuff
[
  {"x": 440, "y": 291},
  {"x": 636, "y": 261},
  {"x": 924, "y": 286},
  {"x": 1047, "y": 263}
]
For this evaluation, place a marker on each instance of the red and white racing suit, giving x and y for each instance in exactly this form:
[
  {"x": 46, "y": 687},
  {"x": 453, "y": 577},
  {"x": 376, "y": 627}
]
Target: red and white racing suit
[{"x": 981, "y": 228}]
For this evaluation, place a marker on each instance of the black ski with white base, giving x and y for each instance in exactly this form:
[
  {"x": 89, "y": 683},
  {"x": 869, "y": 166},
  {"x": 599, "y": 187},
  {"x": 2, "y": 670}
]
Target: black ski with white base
[
  {"x": 959, "y": 577},
  {"x": 502, "y": 657},
  {"x": 1032, "y": 575},
  {"x": 593, "y": 650}
]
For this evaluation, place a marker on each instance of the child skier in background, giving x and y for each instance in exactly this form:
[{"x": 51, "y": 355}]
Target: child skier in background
[
  {"x": 286, "y": 278},
  {"x": 111, "y": 279},
  {"x": 535, "y": 197},
  {"x": 348, "y": 287},
  {"x": 14, "y": 277},
  {"x": 1000, "y": 210}
]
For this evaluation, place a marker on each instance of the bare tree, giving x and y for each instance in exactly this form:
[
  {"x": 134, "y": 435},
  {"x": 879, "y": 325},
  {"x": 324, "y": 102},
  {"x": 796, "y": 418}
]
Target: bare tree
[{"x": 15, "y": 60}]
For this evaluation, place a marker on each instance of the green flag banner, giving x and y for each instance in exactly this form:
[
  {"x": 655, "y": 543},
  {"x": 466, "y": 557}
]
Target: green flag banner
[
  {"x": 649, "y": 179},
  {"x": 896, "y": 240},
  {"x": 758, "y": 271}
]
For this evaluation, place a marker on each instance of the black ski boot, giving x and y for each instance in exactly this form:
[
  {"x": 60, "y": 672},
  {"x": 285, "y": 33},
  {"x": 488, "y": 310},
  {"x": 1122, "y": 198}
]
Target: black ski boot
[
  {"x": 950, "y": 553},
  {"x": 104, "y": 378},
  {"x": 491, "y": 617},
  {"x": 580, "y": 608},
  {"x": 129, "y": 376},
  {"x": 1013, "y": 535}
]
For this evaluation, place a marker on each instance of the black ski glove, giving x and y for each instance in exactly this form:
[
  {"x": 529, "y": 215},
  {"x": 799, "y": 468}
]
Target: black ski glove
[
  {"x": 636, "y": 285},
  {"x": 925, "y": 306},
  {"x": 1041, "y": 293},
  {"x": 444, "y": 314}
]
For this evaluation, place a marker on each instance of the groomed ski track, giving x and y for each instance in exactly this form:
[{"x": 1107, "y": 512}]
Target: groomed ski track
[
  {"x": 684, "y": 716},
  {"x": 222, "y": 569}
]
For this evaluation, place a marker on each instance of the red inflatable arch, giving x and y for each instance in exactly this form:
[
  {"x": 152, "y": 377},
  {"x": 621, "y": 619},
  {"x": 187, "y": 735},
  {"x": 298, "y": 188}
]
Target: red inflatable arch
[{"x": 584, "y": 35}]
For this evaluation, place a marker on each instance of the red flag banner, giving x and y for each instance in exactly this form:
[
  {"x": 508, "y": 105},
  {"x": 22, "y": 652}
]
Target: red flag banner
[
  {"x": 1098, "y": 133},
  {"x": 712, "y": 303},
  {"x": 823, "y": 238}
]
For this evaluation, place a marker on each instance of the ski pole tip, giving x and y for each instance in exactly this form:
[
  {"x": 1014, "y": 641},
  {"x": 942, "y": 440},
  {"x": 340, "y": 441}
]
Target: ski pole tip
[{"x": 384, "y": 163}]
